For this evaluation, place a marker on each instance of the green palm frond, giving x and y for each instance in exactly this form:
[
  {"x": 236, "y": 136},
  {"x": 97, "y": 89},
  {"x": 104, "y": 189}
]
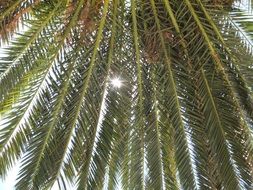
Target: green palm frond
[{"x": 182, "y": 118}]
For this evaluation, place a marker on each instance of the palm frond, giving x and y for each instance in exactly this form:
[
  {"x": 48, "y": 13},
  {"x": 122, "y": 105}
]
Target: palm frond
[{"x": 182, "y": 118}]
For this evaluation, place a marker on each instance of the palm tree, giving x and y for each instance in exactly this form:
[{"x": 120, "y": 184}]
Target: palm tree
[{"x": 182, "y": 118}]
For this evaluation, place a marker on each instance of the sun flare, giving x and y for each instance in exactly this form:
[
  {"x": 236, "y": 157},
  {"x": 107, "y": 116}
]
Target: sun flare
[{"x": 116, "y": 82}]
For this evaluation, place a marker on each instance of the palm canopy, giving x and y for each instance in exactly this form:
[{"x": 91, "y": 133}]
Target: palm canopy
[{"x": 181, "y": 120}]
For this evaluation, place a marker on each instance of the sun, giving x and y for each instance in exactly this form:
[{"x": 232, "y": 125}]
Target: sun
[{"x": 116, "y": 82}]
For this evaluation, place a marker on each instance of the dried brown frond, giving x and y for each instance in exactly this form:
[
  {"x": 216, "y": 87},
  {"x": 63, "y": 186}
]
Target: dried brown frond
[
  {"x": 10, "y": 23},
  {"x": 220, "y": 3},
  {"x": 151, "y": 39},
  {"x": 88, "y": 19},
  {"x": 4, "y": 4}
]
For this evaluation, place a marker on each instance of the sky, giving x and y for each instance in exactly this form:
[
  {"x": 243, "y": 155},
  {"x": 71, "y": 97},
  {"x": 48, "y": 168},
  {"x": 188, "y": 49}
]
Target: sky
[{"x": 8, "y": 183}]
